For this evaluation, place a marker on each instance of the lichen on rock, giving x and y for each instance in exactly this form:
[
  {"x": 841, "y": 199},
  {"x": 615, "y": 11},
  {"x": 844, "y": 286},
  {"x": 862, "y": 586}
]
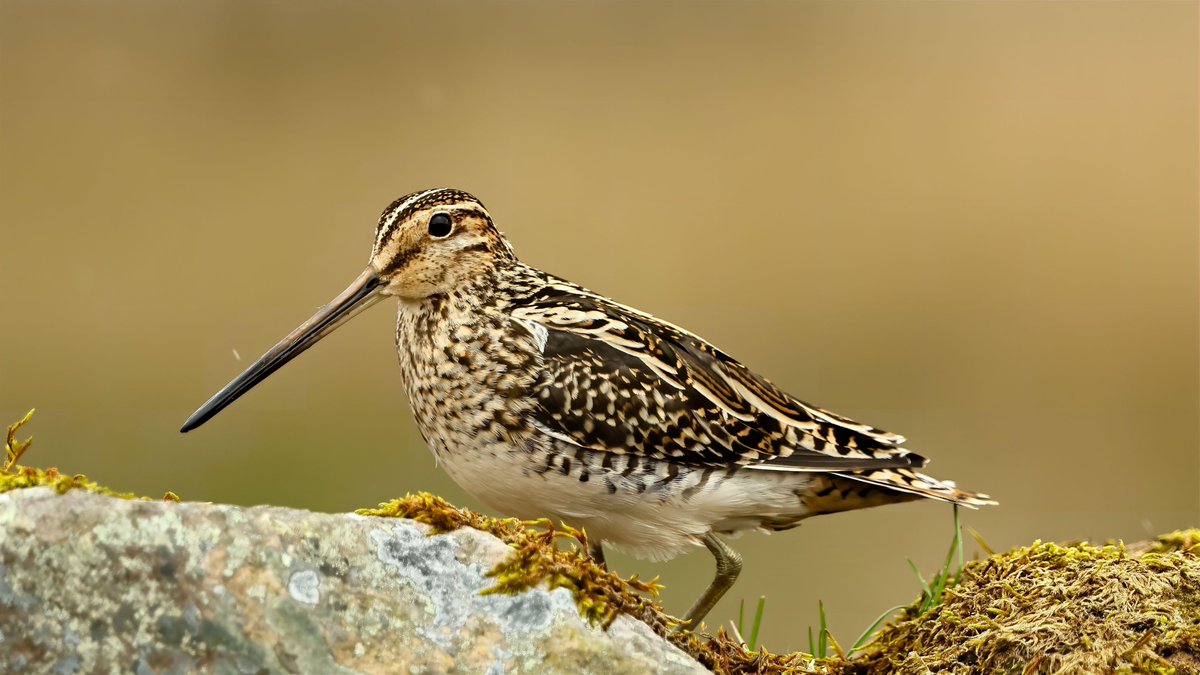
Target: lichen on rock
[
  {"x": 91, "y": 583},
  {"x": 537, "y": 560}
]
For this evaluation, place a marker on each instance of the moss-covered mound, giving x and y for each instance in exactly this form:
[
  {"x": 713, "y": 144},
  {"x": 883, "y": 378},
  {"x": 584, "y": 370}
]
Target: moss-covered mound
[
  {"x": 1055, "y": 609},
  {"x": 27, "y": 476},
  {"x": 1041, "y": 609},
  {"x": 1045, "y": 608}
]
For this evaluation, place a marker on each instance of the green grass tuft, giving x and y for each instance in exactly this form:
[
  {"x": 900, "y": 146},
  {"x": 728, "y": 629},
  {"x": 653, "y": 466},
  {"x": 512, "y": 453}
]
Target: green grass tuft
[
  {"x": 740, "y": 628},
  {"x": 933, "y": 593}
]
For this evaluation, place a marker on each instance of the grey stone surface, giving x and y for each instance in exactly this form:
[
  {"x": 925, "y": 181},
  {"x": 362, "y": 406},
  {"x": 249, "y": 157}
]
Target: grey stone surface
[{"x": 89, "y": 583}]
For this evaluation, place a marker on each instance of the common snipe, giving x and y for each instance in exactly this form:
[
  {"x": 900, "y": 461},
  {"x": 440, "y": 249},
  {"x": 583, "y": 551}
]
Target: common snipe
[{"x": 542, "y": 398}]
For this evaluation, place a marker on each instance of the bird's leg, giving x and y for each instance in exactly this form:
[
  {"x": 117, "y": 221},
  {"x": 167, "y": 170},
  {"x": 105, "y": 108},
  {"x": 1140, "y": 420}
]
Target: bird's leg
[
  {"x": 596, "y": 552},
  {"x": 729, "y": 566}
]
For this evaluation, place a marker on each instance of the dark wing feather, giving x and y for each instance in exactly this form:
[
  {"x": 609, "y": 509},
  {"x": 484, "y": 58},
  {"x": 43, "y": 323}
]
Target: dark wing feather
[{"x": 619, "y": 380}]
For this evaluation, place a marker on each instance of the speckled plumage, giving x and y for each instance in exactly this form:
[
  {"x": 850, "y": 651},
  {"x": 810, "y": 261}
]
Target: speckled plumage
[{"x": 542, "y": 398}]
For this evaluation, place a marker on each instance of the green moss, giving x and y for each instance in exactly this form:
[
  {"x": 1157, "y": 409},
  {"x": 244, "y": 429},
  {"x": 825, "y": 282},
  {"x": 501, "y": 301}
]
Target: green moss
[
  {"x": 16, "y": 477},
  {"x": 601, "y": 595},
  {"x": 27, "y": 477},
  {"x": 13, "y": 449},
  {"x": 1049, "y": 608},
  {"x": 1038, "y": 609},
  {"x": 1187, "y": 541}
]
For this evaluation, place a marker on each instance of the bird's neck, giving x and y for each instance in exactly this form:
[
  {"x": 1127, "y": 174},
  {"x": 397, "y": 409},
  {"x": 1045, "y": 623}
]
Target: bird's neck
[
  {"x": 463, "y": 338},
  {"x": 477, "y": 299}
]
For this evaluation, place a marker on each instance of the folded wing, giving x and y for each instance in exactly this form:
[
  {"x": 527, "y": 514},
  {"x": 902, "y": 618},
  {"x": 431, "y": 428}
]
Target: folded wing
[{"x": 618, "y": 380}]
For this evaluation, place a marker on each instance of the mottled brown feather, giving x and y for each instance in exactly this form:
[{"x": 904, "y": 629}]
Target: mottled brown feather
[{"x": 675, "y": 396}]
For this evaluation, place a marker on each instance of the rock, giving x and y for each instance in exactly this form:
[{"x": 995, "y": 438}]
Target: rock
[{"x": 92, "y": 583}]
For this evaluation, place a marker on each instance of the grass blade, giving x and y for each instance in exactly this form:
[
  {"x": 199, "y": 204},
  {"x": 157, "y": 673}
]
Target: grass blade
[
  {"x": 979, "y": 540},
  {"x": 837, "y": 649},
  {"x": 736, "y": 633},
  {"x": 921, "y": 580},
  {"x": 758, "y": 615},
  {"x": 958, "y": 540},
  {"x": 865, "y": 637},
  {"x": 823, "y": 637},
  {"x": 944, "y": 578}
]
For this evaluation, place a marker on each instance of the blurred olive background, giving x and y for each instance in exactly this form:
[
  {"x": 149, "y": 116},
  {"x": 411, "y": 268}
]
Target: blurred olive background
[{"x": 972, "y": 223}]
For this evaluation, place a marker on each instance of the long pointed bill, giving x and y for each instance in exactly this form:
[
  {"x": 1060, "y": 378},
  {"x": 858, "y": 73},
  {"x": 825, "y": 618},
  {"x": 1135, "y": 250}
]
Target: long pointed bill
[{"x": 364, "y": 292}]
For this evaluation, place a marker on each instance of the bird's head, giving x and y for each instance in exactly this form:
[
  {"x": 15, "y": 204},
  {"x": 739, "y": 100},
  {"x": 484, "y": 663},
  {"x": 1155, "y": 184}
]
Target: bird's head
[
  {"x": 434, "y": 241},
  {"x": 427, "y": 243}
]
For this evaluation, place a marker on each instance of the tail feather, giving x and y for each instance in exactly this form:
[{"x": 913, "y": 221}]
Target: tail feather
[{"x": 912, "y": 482}]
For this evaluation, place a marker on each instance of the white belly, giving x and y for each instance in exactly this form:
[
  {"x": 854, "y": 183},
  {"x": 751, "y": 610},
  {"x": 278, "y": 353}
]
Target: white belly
[{"x": 658, "y": 521}]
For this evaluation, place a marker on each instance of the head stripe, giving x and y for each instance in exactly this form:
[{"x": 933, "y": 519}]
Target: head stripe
[
  {"x": 458, "y": 202},
  {"x": 396, "y": 211}
]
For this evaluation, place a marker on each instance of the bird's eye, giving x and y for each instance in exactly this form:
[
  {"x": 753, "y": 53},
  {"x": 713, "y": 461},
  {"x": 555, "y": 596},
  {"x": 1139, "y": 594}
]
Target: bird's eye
[{"x": 440, "y": 225}]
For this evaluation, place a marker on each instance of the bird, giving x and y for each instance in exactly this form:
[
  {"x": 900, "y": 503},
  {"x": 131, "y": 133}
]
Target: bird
[{"x": 542, "y": 398}]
